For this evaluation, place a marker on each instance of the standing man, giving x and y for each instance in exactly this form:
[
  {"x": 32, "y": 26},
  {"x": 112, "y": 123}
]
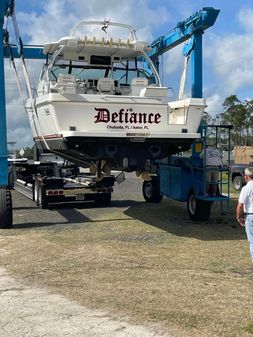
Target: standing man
[
  {"x": 212, "y": 159},
  {"x": 245, "y": 205}
]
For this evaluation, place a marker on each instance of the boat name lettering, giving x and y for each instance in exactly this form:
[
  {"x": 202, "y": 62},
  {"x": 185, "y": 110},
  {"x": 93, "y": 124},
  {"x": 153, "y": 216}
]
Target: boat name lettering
[{"x": 126, "y": 116}]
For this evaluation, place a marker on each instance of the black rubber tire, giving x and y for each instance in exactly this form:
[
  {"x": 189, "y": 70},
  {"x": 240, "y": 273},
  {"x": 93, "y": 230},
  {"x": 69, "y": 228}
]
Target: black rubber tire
[
  {"x": 42, "y": 198},
  {"x": 151, "y": 190},
  {"x": 10, "y": 179},
  {"x": 6, "y": 220},
  {"x": 198, "y": 210},
  {"x": 103, "y": 199},
  {"x": 238, "y": 183}
]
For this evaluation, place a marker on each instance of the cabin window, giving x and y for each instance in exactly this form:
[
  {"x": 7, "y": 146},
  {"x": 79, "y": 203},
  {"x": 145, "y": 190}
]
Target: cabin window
[
  {"x": 122, "y": 71},
  {"x": 79, "y": 72},
  {"x": 102, "y": 60}
]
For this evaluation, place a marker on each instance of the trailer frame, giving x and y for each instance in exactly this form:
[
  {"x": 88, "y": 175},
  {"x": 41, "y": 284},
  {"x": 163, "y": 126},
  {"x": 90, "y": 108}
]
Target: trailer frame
[{"x": 48, "y": 183}]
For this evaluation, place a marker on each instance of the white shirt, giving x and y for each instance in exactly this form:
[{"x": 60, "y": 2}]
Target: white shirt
[
  {"x": 213, "y": 156},
  {"x": 246, "y": 197}
]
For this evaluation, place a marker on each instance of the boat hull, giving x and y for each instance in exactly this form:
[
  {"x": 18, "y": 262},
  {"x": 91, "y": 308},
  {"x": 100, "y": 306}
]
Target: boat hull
[
  {"x": 121, "y": 154},
  {"x": 125, "y": 131}
]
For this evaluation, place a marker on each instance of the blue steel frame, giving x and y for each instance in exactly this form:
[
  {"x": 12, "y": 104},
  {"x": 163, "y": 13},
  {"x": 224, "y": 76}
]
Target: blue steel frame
[
  {"x": 3, "y": 132},
  {"x": 194, "y": 27}
]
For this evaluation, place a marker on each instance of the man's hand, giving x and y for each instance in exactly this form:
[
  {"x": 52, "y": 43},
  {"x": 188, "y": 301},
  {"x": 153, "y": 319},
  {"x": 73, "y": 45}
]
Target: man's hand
[
  {"x": 241, "y": 221},
  {"x": 239, "y": 214}
]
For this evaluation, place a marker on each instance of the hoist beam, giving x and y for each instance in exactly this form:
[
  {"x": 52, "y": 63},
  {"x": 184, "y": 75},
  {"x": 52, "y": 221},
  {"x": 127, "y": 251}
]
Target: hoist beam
[
  {"x": 193, "y": 27},
  {"x": 196, "y": 67},
  {"x": 195, "y": 24},
  {"x": 3, "y": 129},
  {"x": 28, "y": 52}
]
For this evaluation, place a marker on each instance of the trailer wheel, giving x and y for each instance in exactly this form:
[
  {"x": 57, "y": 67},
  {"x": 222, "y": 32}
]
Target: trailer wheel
[
  {"x": 238, "y": 183},
  {"x": 10, "y": 180},
  {"x": 151, "y": 190},
  {"x": 5, "y": 208},
  {"x": 103, "y": 199},
  {"x": 42, "y": 198},
  {"x": 198, "y": 210}
]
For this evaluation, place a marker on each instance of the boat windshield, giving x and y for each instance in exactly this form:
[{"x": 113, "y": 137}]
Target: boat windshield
[{"x": 122, "y": 72}]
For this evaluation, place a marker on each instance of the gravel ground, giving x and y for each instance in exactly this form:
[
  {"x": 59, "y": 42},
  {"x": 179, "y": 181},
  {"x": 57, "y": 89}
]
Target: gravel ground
[{"x": 35, "y": 312}]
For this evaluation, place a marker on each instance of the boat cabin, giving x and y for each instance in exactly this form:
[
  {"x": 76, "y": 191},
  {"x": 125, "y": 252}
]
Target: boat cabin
[{"x": 91, "y": 66}]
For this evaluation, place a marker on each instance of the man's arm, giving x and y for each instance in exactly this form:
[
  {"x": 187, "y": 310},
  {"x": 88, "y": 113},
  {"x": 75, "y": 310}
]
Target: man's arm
[{"x": 239, "y": 214}]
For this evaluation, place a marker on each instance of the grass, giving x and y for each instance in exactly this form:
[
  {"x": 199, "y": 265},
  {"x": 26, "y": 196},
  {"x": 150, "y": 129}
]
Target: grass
[
  {"x": 224, "y": 180},
  {"x": 147, "y": 262},
  {"x": 249, "y": 328}
]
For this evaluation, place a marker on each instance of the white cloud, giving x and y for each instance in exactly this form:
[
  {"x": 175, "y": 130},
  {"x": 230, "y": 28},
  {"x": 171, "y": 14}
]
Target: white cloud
[
  {"x": 245, "y": 19},
  {"x": 214, "y": 104},
  {"x": 133, "y": 12},
  {"x": 173, "y": 60},
  {"x": 57, "y": 19},
  {"x": 231, "y": 57},
  {"x": 52, "y": 24},
  {"x": 18, "y": 128}
]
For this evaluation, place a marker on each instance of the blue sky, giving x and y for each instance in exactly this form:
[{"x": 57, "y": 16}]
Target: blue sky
[{"x": 227, "y": 46}]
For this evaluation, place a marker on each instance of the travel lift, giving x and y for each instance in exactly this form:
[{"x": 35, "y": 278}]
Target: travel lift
[
  {"x": 193, "y": 28},
  {"x": 183, "y": 178}
]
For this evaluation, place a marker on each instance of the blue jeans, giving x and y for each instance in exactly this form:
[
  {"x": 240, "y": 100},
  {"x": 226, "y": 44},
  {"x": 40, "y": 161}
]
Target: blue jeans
[{"x": 249, "y": 232}]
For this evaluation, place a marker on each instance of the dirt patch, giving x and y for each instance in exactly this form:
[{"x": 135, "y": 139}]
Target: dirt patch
[{"x": 144, "y": 261}]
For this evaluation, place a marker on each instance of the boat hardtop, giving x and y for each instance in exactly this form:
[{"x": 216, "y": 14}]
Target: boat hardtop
[{"x": 79, "y": 46}]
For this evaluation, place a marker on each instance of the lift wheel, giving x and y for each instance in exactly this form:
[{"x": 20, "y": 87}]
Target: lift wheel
[
  {"x": 151, "y": 190},
  {"x": 5, "y": 208}
]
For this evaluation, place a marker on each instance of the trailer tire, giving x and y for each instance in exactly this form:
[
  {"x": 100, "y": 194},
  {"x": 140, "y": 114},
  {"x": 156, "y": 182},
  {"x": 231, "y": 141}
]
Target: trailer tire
[
  {"x": 10, "y": 180},
  {"x": 6, "y": 220},
  {"x": 151, "y": 190},
  {"x": 103, "y": 199},
  {"x": 42, "y": 198},
  {"x": 198, "y": 210},
  {"x": 238, "y": 183}
]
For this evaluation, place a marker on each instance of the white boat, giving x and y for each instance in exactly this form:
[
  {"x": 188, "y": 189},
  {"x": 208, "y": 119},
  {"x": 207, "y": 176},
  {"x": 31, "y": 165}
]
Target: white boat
[{"x": 101, "y": 98}]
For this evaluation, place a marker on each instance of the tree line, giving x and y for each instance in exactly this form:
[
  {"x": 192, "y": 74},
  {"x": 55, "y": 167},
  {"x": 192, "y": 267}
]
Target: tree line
[{"x": 239, "y": 114}]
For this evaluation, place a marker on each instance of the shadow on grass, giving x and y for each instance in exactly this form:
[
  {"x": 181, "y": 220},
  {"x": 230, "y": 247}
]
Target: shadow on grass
[
  {"x": 72, "y": 214},
  {"x": 169, "y": 215},
  {"x": 91, "y": 205},
  {"x": 172, "y": 216},
  {"x": 29, "y": 225}
]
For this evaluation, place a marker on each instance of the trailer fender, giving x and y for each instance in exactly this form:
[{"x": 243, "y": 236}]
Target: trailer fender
[
  {"x": 40, "y": 197},
  {"x": 36, "y": 193}
]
